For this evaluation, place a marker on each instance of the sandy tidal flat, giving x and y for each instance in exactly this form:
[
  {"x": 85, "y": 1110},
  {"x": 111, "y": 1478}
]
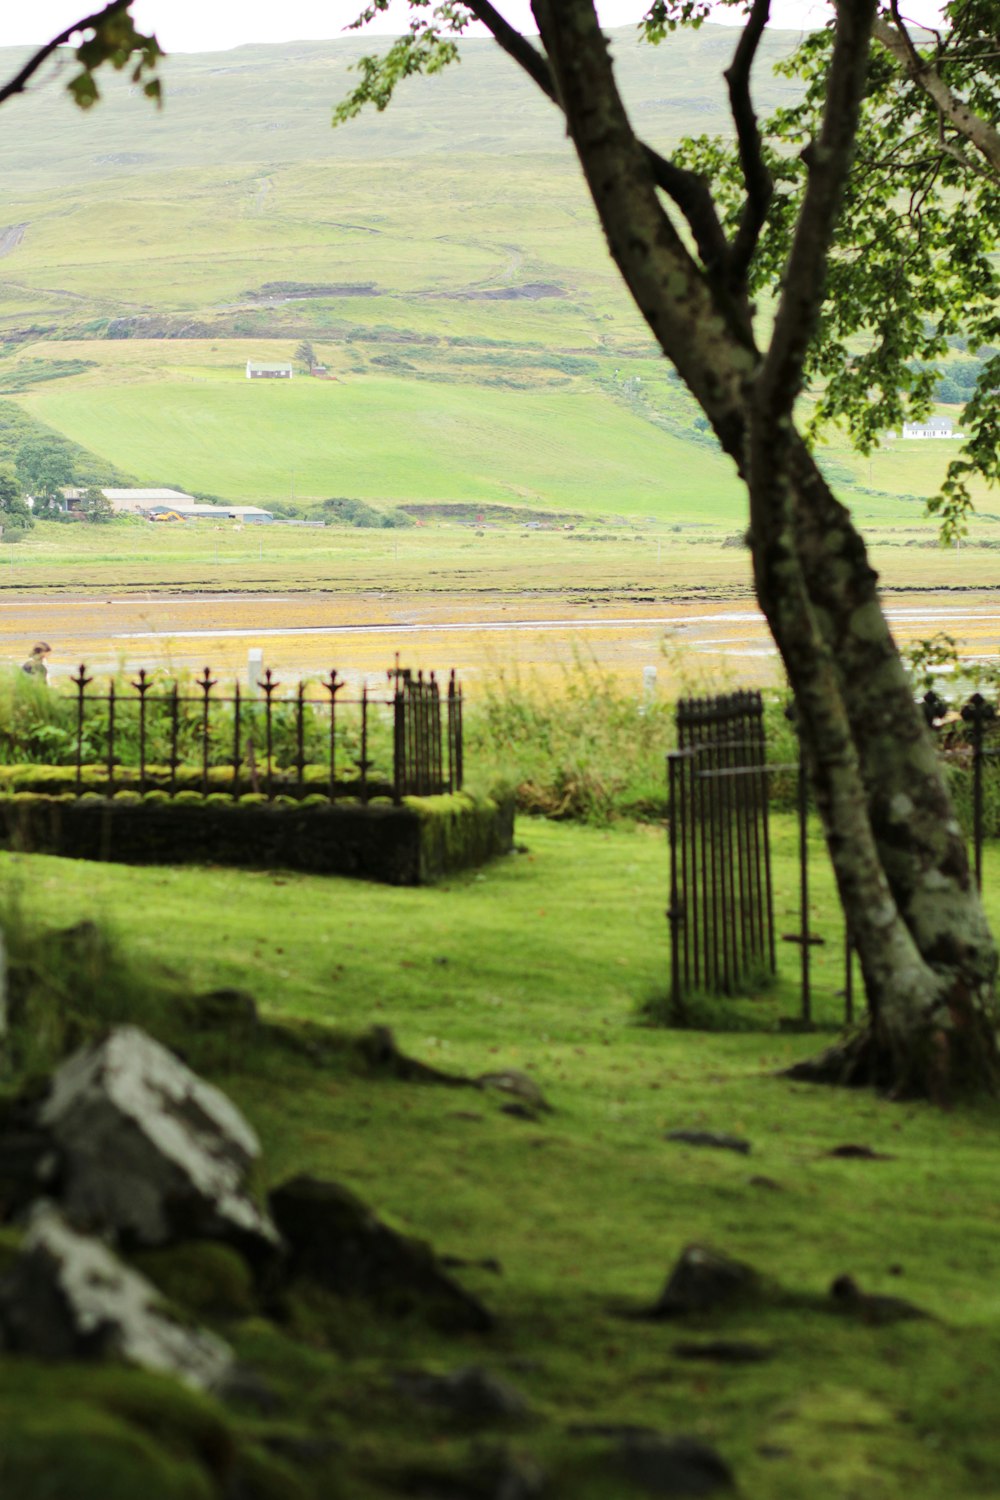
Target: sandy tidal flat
[{"x": 692, "y": 646}]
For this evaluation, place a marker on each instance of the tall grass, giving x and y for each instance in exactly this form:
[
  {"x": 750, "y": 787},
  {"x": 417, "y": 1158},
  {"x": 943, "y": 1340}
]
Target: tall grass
[
  {"x": 587, "y": 749},
  {"x": 68, "y": 984}
]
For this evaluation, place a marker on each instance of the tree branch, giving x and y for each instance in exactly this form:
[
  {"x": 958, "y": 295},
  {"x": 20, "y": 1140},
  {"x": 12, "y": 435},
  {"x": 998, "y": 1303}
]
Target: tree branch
[
  {"x": 704, "y": 334},
  {"x": 828, "y": 159},
  {"x": 20, "y": 81},
  {"x": 894, "y": 37},
  {"x": 758, "y": 179},
  {"x": 687, "y": 189},
  {"x": 970, "y": 163}
]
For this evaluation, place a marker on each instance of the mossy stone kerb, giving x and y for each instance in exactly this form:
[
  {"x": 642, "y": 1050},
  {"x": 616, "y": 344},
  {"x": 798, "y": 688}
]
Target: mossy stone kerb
[{"x": 415, "y": 843}]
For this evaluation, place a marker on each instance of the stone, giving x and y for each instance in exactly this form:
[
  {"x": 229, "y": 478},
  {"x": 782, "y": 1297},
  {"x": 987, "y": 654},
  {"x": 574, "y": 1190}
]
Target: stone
[
  {"x": 302, "y": 1448},
  {"x": 470, "y": 1395},
  {"x": 724, "y": 1351},
  {"x": 4, "y": 1019},
  {"x": 492, "y": 1473},
  {"x": 852, "y": 1152},
  {"x": 703, "y": 1280},
  {"x": 519, "y": 1111},
  {"x": 672, "y": 1466},
  {"x": 872, "y": 1308},
  {"x": 512, "y": 1081},
  {"x": 151, "y": 1151},
  {"x": 226, "y": 1009},
  {"x": 68, "y": 1296},
  {"x": 461, "y": 1263},
  {"x": 381, "y": 1055},
  {"x": 337, "y": 1241},
  {"x": 29, "y": 1165},
  {"x": 710, "y": 1138}
]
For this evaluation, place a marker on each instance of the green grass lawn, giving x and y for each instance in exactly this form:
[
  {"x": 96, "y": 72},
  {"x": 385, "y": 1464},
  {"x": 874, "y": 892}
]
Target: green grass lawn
[{"x": 543, "y": 962}]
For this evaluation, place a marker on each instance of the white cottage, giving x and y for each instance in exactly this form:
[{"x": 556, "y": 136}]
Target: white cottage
[{"x": 259, "y": 370}]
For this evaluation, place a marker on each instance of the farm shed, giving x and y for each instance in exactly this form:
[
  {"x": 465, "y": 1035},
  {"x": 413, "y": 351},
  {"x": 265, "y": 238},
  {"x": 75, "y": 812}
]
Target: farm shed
[{"x": 135, "y": 501}]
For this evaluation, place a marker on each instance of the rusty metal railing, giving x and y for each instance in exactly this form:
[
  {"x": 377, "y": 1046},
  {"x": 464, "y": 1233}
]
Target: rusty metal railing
[
  {"x": 721, "y": 907},
  {"x": 269, "y": 742}
]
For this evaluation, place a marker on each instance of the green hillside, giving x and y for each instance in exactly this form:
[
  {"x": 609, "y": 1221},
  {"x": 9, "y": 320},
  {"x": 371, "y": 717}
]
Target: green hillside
[
  {"x": 444, "y": 259},
  {"x": 394, "y": 441}
]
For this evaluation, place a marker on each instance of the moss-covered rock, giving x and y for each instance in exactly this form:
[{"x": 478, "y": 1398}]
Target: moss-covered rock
[
  {"x": 76, "y": 1432},
  {"x": 208, "y": 1279}
]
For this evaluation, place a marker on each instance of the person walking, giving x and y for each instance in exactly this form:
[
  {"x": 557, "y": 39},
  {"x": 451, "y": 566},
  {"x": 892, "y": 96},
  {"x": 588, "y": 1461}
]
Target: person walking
[{"x": 35, "y": 665}]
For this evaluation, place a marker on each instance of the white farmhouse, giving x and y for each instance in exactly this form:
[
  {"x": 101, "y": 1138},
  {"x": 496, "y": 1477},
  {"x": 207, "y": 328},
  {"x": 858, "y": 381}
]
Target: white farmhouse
[
  {"x": 930, "y": 427},
  {"x": 258, "y": 370}
]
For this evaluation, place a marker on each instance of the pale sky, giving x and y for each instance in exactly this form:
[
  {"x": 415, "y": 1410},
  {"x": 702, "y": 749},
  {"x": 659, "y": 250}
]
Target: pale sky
[{"x": 213, "y": 25}]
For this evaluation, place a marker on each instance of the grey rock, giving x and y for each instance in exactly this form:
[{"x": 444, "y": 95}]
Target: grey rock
[
  {"x": 850, "y": 1151},
  {"x": 512, "y": 1081},
  {"x": 382, "y": 1056},
  {"x": 470, "y": 1394},
  {"x": 150, "y": 1150},
  {"x": 305, "y": 1448},
  {"x": 710, "y": 1138},
  {"x": 227, "y": 1009},
  {"x": 519, "y": 1111},
  {"x": 29, "y": 1165},
  {"x": 4, "y": 1023},
  {"x": 872, "y": 1307},
  {"x": 672, "y": 1466},
  {"x": 724, "y": 1351},
  {"x": 336, "y": 1240},
  {"x": 67, "y": 1296},
  {"x": 702, "y": 1280},
  {"x": 622, "y": 1430},
  {"x": 461, "y": 1263},
  {"x": 493, "y": 1473}
]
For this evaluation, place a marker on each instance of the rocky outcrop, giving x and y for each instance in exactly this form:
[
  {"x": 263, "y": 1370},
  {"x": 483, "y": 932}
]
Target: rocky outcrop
[
  {"x": 67, "y": 1296},
  {"x": 149, "y": 1150},
  {"x": 702, "y": 1280},
  {"x": 335, "y": 1240}
]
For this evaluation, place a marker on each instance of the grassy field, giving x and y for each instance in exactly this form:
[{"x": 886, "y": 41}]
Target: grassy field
[
  {"x": 585, "y": 1210},
  {"x": 441, "y": 428},
  {"x": 390, "y": 440},
  {"x": 483, "y": 345}
]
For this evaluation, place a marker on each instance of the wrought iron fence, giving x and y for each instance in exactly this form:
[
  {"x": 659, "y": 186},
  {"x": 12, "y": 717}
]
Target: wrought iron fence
[
  {"x": 721, "y": 905},
  {"x": 721, "y": 908},
  {"x": 405, "y": 742}
]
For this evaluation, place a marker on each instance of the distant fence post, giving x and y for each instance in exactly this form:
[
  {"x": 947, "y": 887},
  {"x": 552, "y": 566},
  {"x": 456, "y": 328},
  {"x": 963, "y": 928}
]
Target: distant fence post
[
  {"x": 804, "y": 936},
  {"x": 81, "y": 682},
  {"x": 977, "y": 713}
]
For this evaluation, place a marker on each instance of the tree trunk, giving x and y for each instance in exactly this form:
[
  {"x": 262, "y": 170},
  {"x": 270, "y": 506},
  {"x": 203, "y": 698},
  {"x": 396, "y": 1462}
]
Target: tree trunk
[
  {"x": 901, "y": 868},
  {"x": 902, "y": 871}
]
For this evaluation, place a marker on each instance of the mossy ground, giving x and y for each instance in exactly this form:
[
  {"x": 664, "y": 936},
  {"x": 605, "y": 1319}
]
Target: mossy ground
[{"x": 542, "y": 962}]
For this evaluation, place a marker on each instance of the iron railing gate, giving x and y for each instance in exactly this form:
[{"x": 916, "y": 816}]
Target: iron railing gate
[{"x": 721, "y": 908}]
